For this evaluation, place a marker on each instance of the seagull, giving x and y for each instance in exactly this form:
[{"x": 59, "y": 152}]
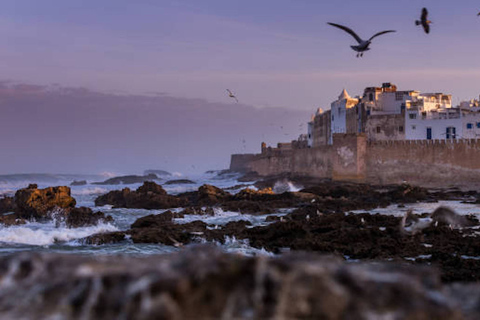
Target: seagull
[
  {"x": 231, "y": 95},
  {"x": 362, "y": 44},
  {"x": 424, "y": 21}
]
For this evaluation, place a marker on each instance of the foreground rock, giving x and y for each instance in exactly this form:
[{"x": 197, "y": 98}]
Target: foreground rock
[
  {"x": 128, "y": 179},
  {"x": 204, "y": 283}
]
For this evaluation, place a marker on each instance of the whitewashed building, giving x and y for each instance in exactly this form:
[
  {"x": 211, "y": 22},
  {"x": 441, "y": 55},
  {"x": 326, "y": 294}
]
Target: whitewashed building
[{"x": 338, "y": 110}]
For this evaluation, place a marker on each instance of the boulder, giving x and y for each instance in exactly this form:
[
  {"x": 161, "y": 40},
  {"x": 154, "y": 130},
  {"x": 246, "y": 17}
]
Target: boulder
[
  {"x": 104, "y": 238},
  {"x": 34, "y": 203},
  {"x": 84, "y": 217},
  {"x": 7, "y": 204},
  {"x": 148, "y": 196}
]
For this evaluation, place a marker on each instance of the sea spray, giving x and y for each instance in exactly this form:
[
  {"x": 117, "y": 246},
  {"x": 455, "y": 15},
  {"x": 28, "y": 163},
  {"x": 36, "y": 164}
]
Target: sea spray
[{"x": 41, "y": 234}]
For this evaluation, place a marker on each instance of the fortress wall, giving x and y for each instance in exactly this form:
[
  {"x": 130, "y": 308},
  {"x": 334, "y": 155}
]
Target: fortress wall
[
  {"x": 315, "y": 162},
  {"x": 351, "y": 158},
  {"x": 424, "y": 162}
]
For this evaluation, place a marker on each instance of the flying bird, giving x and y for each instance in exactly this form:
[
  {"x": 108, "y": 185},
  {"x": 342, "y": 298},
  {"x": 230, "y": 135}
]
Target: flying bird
[
  {"x": 231, "y": 95},
  {"x": 424, "y": 21},
  {"x": 363, "y": 45}
]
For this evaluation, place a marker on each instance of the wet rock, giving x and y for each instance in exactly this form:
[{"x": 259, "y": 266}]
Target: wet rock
[
  {"x": 198, "y": 211},
  {"x": 7, "y": 204},
  {"x": 37, "y": 203},
  {"x": 167, "y": 233},
  {"x": 104, "y": 238},
  {"x": 84, "y": 217},
  {"x": 148, "y": 196},
  {"x": 78, "y": 183},
  {"x": 131, "y": 179},
  {"x": 154, "y": 220},
  {"x": 11, "y": 220},
  {"x": 203, "y": 283},
  {"x": 206, "y": 195}
]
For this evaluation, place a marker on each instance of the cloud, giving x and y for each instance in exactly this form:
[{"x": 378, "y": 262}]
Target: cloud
[{"x": 63, "y": 129}]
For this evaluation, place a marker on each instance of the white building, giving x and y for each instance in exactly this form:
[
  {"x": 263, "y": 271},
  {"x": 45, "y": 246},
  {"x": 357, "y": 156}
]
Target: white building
[{"x": 338, "y": 110}]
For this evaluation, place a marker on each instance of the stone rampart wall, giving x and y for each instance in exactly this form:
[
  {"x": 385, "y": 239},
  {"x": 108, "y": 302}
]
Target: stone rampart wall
[{"x": 352, "y": 158}]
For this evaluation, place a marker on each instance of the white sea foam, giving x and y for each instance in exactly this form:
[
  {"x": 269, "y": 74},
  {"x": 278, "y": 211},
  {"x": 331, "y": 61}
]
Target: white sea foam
[
  {"x": 88, "y": 191},
  {"x": 46, "y": 233},
  {"x": 284, "y": 186}
]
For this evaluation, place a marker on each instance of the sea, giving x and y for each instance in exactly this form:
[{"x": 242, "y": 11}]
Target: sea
[{"x": 56, "y": 238}]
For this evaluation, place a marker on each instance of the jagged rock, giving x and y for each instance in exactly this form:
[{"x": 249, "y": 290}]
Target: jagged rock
[
  {"x": 78, "y": 183},
  {"x": 84, "y": 217},
  {"x": 151, "y": 187},
  {"x": 37, "y": 203},
  {"x": 204, "y": 283},
  {"x": 211, "y": 195},
  {"x": 128, "y": 179},
  {"x": 148, "y": 196},
  {"x": 7, "y": 204}
]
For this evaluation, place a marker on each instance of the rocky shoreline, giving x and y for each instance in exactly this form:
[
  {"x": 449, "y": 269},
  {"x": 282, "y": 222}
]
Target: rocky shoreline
[{"x": 318, "y": 221}]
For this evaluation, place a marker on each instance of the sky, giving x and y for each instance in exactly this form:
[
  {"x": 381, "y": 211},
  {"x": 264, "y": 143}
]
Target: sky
[{"x": 271, "y": 54}]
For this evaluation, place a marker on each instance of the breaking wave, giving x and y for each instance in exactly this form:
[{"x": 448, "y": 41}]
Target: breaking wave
[{"x": 46, "y": 233}]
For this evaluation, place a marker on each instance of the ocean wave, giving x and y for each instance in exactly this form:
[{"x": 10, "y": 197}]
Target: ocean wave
[
  {"x": 88, "y": 191},
  {"x": 47, "y": 234}
]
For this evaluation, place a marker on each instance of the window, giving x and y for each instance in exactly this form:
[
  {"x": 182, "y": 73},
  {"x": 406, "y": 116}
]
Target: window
[
  {"x": 424, "y": 114},
  {"x": 478, "y": 125},
  {"x": 379, "y": 129},
  {"x": 414, "y": 127},
  {"x": 469, "y": 125},
  {"x": 400, "y": 129},
  {"x": 370, "y": 97},
  {"x": 399, "y": 96},
  {"x": 412, "y": 116},
  {"x": 333, "y": 117},
  {"x": 309, "y": 136}
]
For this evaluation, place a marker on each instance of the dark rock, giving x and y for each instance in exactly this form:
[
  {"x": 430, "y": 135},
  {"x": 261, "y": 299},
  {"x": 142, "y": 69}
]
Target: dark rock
[
  {"x": 203, "y": 283},
  {"x": 180, "y": 181},
  {"x": 198, "y": 211},
  {"x": 154, "y": 220},
  {"x": 33, "y": 203},
  {"x": 84, "y": 217},
  {"x": 11, "y": 220},
  {"x": 7, "y": 204},
  {"x": 151, "y": 187},
  {"x": 104, "y": 238},
  {"x": 148, "y": 196},
  {"x": 166, "y": 232},
  {"x": 207, "y": 195},
  {"x": 78, "y": 183},
  {"x": 128, "y": 179}
]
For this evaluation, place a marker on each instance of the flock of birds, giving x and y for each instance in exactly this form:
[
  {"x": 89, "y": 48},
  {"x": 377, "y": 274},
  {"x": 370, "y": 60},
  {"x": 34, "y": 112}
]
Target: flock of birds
[{"x": 363, "y": 45}]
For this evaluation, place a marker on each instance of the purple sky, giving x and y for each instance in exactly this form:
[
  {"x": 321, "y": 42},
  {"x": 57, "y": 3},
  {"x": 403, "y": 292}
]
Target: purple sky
[{"x": 271, "y": 53}]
